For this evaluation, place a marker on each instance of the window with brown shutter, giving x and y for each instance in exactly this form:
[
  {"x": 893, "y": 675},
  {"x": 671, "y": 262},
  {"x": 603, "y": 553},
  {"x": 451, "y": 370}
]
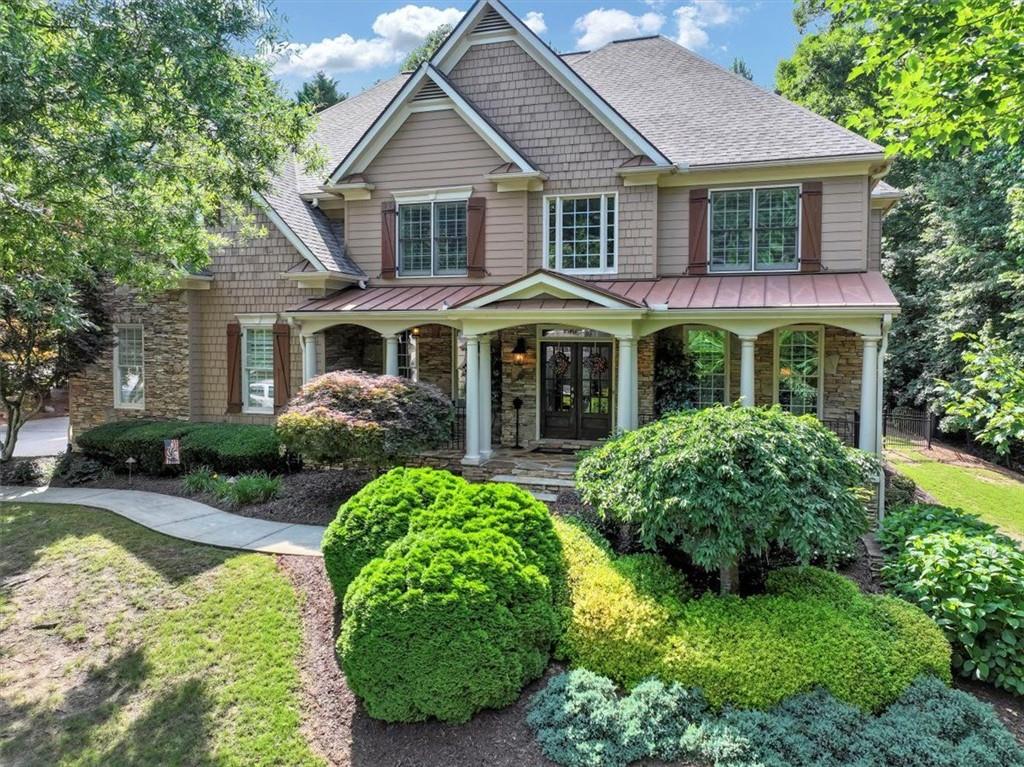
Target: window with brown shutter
[
  {"x": 698, "y": 228},
  {"x": 387, "y": 239},
  {"x": 282, "y": 365},
  {"x": 476, "y": 210},
  {"x": 234, "y": 363},
  {"x": 810, "y": 227}
]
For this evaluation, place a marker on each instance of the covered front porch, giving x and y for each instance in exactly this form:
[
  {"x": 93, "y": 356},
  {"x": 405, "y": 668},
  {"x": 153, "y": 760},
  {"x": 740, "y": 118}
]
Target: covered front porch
[{"x": 550, "y": 362}]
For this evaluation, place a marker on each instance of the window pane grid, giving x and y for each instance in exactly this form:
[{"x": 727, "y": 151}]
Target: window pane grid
[
  {"x": 130, "y": 372},
  {"x": 754, "y": 229},
  {"x": 731, "y": 220},
  {"x": 259, "y": 368},
  {"x": 450, "y": 237},
  {"x": 777, "y": 227},
  {"x": 414, "y": 238},
  {"x": 706, "y": 349},
  {"x": 581, "y": 233},
  {"x": 799, "y": 370}
]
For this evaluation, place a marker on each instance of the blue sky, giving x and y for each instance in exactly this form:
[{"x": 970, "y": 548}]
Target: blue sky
[{"x": 359, "y": 42}]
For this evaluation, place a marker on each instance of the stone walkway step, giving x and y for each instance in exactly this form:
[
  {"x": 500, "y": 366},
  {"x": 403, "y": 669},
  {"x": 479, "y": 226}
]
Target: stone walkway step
[
  {"x": 523, "y": 479},
  {"x": 182, "y": 518}
]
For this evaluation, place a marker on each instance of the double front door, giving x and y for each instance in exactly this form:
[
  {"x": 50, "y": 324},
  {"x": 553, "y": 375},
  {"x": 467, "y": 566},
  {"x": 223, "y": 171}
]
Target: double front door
[{"x": 576, "y": 390}]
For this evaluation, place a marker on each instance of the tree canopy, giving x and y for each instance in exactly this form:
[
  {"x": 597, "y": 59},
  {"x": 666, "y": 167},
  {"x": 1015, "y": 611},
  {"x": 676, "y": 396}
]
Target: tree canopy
[
  {"x": 426, "y": 49},
  {"x": 320, "y": 92}
]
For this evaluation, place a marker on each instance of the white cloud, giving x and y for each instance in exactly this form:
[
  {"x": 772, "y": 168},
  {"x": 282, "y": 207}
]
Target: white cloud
[
  {"x": 695, "y": 18},
  {"x": 535, "y": 21},
  {"x": 604, "y": 25},
  {"x": 398, "y": 32}
]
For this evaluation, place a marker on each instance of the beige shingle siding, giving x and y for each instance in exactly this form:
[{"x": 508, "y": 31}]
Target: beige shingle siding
[
  {"x": 575, "y": 151},
  {"x": 430, "y": 150},
  {"x": 673, "y": 230},
  {"x": 875, "y": 240}
]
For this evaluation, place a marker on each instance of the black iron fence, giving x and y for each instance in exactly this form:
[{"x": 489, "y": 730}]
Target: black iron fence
[{"x": 903, "y": 427}]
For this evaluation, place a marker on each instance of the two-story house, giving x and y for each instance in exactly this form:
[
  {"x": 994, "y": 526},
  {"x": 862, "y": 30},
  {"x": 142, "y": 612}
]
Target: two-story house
[{"x": 517, "y": 227}]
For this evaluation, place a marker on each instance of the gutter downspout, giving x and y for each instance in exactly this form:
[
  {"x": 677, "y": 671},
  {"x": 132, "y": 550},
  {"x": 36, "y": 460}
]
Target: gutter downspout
[{"x": 879, "y": 438}]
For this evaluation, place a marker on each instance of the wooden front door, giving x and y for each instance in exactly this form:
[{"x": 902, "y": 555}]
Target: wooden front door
[{"x": 576, "y": 390}]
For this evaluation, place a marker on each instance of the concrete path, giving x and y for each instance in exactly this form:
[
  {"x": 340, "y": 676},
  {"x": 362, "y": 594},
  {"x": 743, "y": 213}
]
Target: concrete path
[
  {"x": 182, "y": 518},
  {"x": 43, "y": 436}
]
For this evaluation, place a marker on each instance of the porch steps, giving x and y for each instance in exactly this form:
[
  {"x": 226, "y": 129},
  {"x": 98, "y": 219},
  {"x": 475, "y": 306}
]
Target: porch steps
[{"x": 542, "y": 488}]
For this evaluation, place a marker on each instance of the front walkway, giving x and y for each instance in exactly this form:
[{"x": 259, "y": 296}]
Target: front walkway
[{"x": 182, "y": 518}]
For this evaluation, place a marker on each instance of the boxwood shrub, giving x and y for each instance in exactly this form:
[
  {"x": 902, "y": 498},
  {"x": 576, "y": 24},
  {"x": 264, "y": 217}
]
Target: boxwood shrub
[
  {"x": 969, "y": 579},
  {"x": 445, "y": 624},
  {"x": 630, "y": 619},
  {"x": 229, "y": 448},
  {"x": 377, "y": 516}
]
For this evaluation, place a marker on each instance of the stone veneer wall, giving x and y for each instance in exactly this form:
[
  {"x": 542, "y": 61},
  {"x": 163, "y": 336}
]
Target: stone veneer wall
[
  {"x": 519, "y": 380},
  {"x": 165, "y": 321},
  {"x": 434, "y": 356},
  {"x": 353, "y": 347}
]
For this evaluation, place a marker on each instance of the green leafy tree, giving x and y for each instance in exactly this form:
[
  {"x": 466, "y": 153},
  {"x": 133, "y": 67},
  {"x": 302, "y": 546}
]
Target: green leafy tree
[
  {"x": 740, "y": 67},
  {"x": 948, "y": 72},
  {"x": 988, "y": 398},
  {"x": 320, "y": 92},
  {"x": 426, "y": 49},
  {"x": 127, "y": 128},
  {"x": 724, "y": 483}
]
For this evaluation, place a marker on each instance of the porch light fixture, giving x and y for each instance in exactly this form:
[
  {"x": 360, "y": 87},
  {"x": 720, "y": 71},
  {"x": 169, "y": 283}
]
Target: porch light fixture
[
  {"x": 519, "y": 351},
  {"x": 416, "y": 330}
]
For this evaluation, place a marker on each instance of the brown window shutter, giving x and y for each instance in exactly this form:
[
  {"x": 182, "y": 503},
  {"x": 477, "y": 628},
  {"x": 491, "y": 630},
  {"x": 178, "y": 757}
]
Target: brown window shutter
[
  {"x": 388, "y": 222},
  {"x": 476, "y": 210},
  {"x": 698, "y": 257},
  {"x": 282, "y": 365},
  {"x": 234, "y": 360},
  {"x": 810, "y": 227}
]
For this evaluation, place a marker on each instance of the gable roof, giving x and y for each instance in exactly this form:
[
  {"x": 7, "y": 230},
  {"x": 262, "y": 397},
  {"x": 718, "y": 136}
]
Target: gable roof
[
  {"x": 543, "y": 283},
  {"x": 700, "y": 114},
  {"x": 375, "y": 137}
]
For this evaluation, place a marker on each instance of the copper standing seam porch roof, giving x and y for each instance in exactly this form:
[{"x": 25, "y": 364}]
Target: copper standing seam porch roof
[{"x": 867, "y": 290}]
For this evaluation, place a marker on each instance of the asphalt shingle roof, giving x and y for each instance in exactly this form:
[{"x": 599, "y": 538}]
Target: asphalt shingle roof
[{"x": 698, "y": 113}]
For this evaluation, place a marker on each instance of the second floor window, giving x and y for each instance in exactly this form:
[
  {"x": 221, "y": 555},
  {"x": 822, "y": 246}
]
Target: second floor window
[
  {"x": 581, "y": 233},
  {"x": 432, "y": 238},
  {"x": 754, "y": 229}
]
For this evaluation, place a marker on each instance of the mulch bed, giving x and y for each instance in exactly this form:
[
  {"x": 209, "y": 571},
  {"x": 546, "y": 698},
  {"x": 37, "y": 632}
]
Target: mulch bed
[{"x": 341, "y": 731}]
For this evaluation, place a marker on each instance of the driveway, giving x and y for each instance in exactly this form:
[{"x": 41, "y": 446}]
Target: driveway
[{"x": 43, "y": 436}]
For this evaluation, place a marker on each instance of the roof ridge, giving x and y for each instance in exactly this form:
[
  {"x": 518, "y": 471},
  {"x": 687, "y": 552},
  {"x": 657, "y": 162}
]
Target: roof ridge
[{"x": 766, "y": 91}]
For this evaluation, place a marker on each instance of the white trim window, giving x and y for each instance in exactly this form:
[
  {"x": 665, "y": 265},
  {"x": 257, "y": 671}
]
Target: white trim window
[
  {"x": 581, "y": 233},
  {"x": 433, "y": 232},
  {"x": 257, "y": 369},
  {"x": 129, "y": 367},
  {"x": 755, "y": 229},
  {"x": 708, "y": 353},
  {"x": 799, "y": 368}
]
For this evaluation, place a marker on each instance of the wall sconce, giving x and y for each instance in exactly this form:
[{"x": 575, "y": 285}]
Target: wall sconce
[
  {"x": 415, "y": 331},
  {"x": 519, "y": 351}
]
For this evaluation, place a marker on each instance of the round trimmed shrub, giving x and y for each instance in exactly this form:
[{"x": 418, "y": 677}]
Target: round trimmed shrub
[
  {"x": 508, "y": 509},
  {"x": 377, "y": 516},
  {"x": 727, "y": 482},
  {"x": 445, "y": 624},
  {"x": 376, "y": 420}
]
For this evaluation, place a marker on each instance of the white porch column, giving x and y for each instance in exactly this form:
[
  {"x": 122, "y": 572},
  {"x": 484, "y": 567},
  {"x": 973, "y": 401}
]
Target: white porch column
[
  {"x": 627, "y": 384},
  {"x": 391, "y": 355},
  {"x": 308, "y": 358},
  {"x": 747, "y": 370},
  {"x": 868, "y": 393},
  {"x": 485, "y": 397},
  {"x": 472, "y": 456}
]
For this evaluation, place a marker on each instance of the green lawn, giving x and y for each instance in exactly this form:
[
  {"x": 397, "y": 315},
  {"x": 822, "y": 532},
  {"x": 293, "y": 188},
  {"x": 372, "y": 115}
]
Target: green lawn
[
  {"x": 994, "y": 497},
  {"x": 120, "y": 646}
]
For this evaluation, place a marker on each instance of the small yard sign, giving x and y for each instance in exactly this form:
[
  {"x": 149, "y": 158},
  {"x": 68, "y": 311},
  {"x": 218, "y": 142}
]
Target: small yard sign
[{"x": 172, "y": 452}]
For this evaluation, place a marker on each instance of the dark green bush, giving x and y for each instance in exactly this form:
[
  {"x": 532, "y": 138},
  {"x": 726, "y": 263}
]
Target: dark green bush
[
  {"x": 445, "y": 624},
  {"x": 508, "y": 509},
  {"x": 630, "y": 619},
  {"x": 228, "y": 448},
  {"x": 580, "y": 721},
  {"x": 969, "y": 579},
  {"x": 726, "y": 482},
  {"x": 234, "y": 448},
  {"x": 377, "y": 516},
  {"x": 900, "y": 491}
]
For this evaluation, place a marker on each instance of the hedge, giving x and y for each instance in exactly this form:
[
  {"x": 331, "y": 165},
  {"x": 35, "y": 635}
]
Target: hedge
[
  {"x": 969, "y": 579},
  {"x": 377, "y": 516},
  {"x": 228, "y": 448},
  {"x": 580, "y": 720},
  {"x": 631, "y": 620},
  {"x": 445, "y": 624}
]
